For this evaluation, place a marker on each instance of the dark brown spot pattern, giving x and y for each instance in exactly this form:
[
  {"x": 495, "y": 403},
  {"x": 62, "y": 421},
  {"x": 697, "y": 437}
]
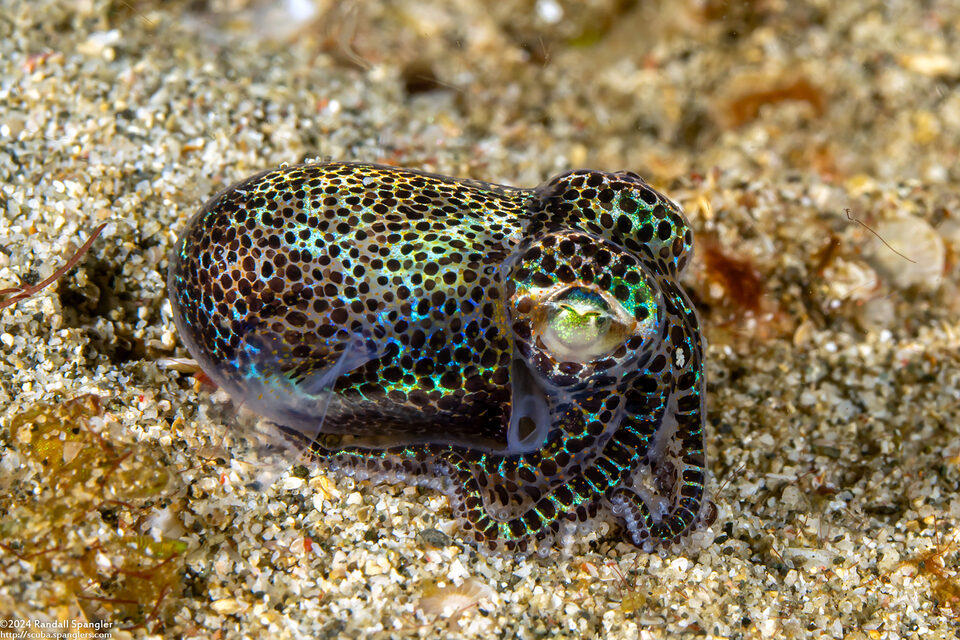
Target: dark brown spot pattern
[{"x": 527, "y": 350}]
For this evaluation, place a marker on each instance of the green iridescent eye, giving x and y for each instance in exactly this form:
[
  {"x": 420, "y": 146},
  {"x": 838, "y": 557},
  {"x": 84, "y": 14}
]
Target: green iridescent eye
[{"x": 579, "y": 324}]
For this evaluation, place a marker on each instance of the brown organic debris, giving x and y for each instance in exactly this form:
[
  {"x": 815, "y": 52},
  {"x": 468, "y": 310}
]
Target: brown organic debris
[
  {"x": 74, "y": 475},
  {"x": 746, "y": 106},
  {"x": 25, "y": 291}
]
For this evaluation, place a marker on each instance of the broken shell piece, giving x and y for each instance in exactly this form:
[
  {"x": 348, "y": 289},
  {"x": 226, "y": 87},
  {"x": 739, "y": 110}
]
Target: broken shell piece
[
  {"x": 851, "y": 280},
  {"x": 916, "y": 255},
  {"x": 445, "y": 601}
]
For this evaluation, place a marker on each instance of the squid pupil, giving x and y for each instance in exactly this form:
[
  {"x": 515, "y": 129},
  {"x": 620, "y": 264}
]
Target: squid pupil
[{"x": 580, "y": 329}]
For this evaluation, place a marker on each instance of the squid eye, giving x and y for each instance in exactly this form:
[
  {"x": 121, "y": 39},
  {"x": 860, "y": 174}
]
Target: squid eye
[
  {"x": 579, "y": 325},
  {"x": 578, "y": 329}
]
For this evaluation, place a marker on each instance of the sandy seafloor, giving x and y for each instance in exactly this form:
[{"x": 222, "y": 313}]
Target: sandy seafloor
[{"x": 833, "y": 381}]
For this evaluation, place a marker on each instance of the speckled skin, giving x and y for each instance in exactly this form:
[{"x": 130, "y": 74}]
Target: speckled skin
[{"x": 529, "y": 350}]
